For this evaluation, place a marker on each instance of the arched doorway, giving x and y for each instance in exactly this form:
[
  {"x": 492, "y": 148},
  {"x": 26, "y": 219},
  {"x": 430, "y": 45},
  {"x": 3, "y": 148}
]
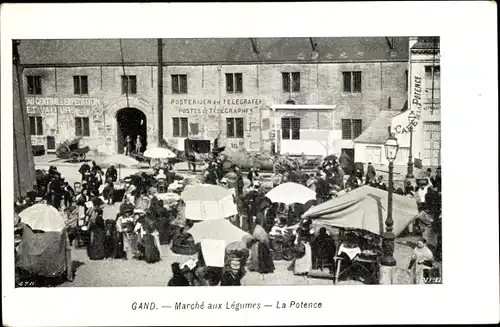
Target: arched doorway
[{"x": 131, "y": 121}]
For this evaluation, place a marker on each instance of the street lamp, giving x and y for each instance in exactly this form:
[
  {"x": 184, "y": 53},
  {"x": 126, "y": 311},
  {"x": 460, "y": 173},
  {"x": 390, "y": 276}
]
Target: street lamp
[
  {"x": 388, "y": 261},
  {"x": 411, "y": 119}
]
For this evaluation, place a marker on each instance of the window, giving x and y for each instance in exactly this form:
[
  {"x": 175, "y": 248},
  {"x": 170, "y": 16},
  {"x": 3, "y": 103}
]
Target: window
[
  {"x": 234, "y": 83},
  {"x": 373, "y": 154},
  {"x": 179, "y": 84},
  {"x": 290, "y": 128},
  {"x": 80, "y": 85},
  {"x": 34, "y": 85},
  {"x": 432, "y": 85},
  {"x": 234, "y": 128},
  {"x": 180, "y": 127},
  {"x": 129, "y": 84},
  {"x": 352, "y": 82},
  {"x": 291, "y": 79},
  {"x": 36, "y": 126},
  {"x": 82, "y": 126},
  {"x": 429, "y": 70},
  {"x": 351, "y": 128}
]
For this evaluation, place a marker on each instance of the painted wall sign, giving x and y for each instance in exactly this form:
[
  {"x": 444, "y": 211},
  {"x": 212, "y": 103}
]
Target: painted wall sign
[
  {"x": 411, "y": 118},
  {"x": 63, "y": 106},
  {"x": 213, "y": 106}
]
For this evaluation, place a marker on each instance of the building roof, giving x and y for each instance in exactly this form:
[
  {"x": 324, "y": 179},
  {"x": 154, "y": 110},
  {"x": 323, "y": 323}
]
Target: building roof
[
  {"x": 211, "y": 50},
  {"x": 426, "y": 43},
  {"x": 377, "y": 132}
]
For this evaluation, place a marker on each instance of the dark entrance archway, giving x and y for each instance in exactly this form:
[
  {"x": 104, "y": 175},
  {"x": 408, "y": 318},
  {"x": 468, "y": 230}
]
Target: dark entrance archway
[{"x": 131, "y": 121}]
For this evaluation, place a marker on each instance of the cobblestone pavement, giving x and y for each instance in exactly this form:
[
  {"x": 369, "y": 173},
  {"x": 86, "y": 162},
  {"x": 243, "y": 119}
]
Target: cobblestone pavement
[
  {"x": 116, "y": 272},
  {"x": 139, "y": 273}
]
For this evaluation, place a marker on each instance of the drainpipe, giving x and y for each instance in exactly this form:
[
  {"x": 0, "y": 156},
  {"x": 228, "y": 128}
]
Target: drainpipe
[
  {"x": 275, "y": 132},
  {"x": 160, "y": 91}
]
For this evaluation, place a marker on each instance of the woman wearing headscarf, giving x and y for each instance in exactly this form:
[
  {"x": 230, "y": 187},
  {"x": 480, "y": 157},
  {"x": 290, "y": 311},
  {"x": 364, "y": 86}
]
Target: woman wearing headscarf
[
  {"x": 111, "y": 174},
  {"x": 95, "y": 248},
  {"x": 261, "y": 259},
  {"x": 232, "y": 275},
  {"x": 178, "y": 278},
  {"x": 150, "y": 246},
  {"x": 323, "y": 249},
  {"x": 303, "y": 254}
]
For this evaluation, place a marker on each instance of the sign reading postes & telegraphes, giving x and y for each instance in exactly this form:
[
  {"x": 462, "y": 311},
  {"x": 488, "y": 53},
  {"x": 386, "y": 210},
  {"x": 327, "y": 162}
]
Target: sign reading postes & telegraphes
[
  {"x": 230, "y": 106},
  {"x": 63, "y": 106}
]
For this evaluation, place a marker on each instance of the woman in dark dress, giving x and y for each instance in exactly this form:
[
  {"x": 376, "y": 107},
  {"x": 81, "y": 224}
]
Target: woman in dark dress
[
  {"x": 261, "y": 259},
  {"x": 151, "y": 251},
  {"x": 178, "y": 279},
  {"x": 323, "y": 250},
  {"x": 95, "y": 249},
  {"x": 232, "y": 275}
]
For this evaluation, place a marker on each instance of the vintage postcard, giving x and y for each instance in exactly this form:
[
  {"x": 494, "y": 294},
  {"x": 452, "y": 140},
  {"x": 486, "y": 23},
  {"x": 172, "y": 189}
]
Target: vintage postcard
[{"x": 307, "y": 159}]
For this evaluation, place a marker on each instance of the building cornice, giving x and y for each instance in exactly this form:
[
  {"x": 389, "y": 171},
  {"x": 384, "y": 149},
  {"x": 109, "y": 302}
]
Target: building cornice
[{"x": 235, "y": 63}]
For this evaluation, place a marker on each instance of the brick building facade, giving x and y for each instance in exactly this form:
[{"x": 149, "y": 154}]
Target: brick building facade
[{"x": 244, "y": 90}]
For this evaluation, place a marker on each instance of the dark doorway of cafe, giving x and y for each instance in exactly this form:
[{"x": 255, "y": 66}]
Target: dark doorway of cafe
[{"x": 131, "y": 121}]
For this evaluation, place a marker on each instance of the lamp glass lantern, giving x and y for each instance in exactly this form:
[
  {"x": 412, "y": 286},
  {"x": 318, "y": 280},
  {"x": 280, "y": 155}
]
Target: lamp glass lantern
[
  {"x": 391, "y": 148},
  {"x": 411, "y": 116}
]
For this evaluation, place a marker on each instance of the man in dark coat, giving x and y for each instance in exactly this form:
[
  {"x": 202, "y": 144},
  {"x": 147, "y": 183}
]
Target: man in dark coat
[
  {"x": 84, "y": 171},
  {"x": 54, "y": 192},
  {"x": 252, "y": 175},
  {"x": 370, "y": 174},
  {"x": 68, "y": 194},
  {"x": 111, "y": 174},
  {"x": 239, "y": 181},
  {"x": 322, "y": 189},
  {"x": 436, "y": 180}
]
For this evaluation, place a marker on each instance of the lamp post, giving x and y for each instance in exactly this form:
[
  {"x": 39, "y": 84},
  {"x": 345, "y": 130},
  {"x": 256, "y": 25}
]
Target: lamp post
[
  {"x": 388, "y": 262},
  {"x": 411, "y": 119}
]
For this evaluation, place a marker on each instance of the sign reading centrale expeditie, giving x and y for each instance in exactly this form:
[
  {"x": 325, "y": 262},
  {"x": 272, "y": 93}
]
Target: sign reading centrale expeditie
[
  {"x": 232, "y": 106},
  {"x": 63, "y": 106}
]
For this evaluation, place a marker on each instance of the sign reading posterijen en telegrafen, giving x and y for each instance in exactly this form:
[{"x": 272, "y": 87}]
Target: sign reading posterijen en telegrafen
[
  {"x": 215, "y": 106},
  {"x": 64, "y": 106}
]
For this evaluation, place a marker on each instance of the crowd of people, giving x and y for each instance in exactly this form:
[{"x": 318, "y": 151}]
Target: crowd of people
[{"x": 145, "y": 221}]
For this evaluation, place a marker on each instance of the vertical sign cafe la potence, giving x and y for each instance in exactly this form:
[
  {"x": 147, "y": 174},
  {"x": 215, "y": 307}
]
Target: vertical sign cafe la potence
[{"x": 415, "y": 108}]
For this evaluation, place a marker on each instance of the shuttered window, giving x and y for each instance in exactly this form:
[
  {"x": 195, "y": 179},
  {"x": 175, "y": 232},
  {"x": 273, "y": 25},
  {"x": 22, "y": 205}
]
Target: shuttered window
[
  {"x": 82, "y": 127},
  {"x": 290, "y": 128},
  {"x": 351, "y": 128},
  {"x": 234, "y": 83},
  {"x": 34, "y": 85},
  {"x": 291, "y": 82},
  {"x": 180, "y": 127},
  {"x": 347, "y": 81},
  {"x": 36, "y": 125},
  {"x": 234, "y": 127},
  {"x": 129, "y": 84},
  {"x": 80, "y": 85},
  {"x": 179, "y": 84},
  {"x": 352, "y": 82}
]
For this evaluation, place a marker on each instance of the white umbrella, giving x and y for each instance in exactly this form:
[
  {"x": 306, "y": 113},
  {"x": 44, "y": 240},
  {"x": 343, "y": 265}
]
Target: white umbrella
[
  {"x": 121, "y": 160},
  {"x": 217, "y": 229},
  {"x": 159, "y": 153},
  {"x": 42, "y": 216},
  {"x": 206, "y": 202},
  {"x": 289, "y": 193}
]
